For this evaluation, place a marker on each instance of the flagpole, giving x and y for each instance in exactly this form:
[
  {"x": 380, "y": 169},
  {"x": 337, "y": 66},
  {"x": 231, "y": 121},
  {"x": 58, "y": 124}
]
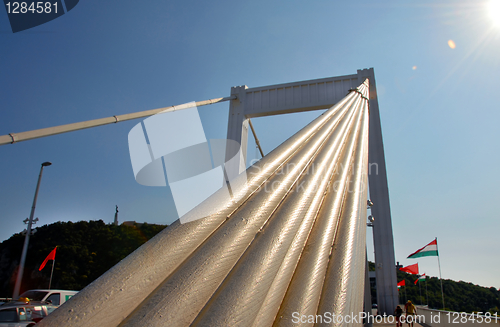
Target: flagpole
[
  {"x": 419, "y": 291},
  {"x": 52, "y": 271},
  {"x": 405, "y": 291},
  {"x": 426, "y": 292},
  {"x": 440, "y": 278}
]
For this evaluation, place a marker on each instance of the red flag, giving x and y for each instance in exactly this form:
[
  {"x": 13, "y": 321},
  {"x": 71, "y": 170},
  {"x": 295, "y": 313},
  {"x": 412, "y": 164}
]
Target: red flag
[
  {"x": 51, "y": 256},
  {"x": 402, "y": 283},
  {"x": 412, "y": 269}
]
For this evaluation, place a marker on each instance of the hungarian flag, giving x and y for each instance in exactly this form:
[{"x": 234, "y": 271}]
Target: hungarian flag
[
  {"x": 430, "y": 249},
  {"x": 401, "y": 283},
  {"x": 412, "y": 269},
  {"x": 51, "y": 256},
  {"x": 419, "y": 278}
]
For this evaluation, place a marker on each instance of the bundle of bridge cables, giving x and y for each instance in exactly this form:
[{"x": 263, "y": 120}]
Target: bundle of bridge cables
[{"x": 289, "y": 242}]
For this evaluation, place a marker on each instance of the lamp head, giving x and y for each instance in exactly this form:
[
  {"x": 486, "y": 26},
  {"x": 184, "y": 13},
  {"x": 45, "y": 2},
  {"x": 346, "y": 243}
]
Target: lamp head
[{"x": 46, "y": 163}]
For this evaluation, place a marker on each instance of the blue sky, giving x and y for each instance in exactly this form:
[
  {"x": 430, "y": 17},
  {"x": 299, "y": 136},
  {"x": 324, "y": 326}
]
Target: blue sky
[{"x": 438, "y": 105}]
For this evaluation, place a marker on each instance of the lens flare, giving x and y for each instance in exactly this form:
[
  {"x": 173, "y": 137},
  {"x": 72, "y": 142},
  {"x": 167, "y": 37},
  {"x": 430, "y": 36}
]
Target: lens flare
[
  {"x": 451, "y": 44},
  {"x": 494, "y": 11}
]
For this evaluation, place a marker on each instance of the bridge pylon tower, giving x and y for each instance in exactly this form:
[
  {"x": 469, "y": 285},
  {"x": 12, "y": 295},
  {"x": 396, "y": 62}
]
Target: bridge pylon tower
[{"x": 322, "y": 94}]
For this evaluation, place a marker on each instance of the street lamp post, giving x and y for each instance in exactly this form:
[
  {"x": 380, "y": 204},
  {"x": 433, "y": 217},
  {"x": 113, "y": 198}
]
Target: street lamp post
[{"x": 17, "y": 287}]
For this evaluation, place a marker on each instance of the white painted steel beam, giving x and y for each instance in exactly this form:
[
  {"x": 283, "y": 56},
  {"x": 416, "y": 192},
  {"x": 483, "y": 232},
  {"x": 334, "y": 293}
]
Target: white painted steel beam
[
  {"x": 385, "y": 262},
  {"x": 279, "y": 99},
  {"x": 237, "y": 130},
  {"x": 298, "y": 96}
]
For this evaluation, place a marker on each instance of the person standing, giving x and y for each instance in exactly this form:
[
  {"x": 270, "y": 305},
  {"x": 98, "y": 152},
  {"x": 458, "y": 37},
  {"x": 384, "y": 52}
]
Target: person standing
[
  {"x": 398, "y": 313},
  {"x": 410, "y": 311}
]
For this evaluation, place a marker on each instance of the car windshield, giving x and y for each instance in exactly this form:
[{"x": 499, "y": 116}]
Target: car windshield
[{"x": 34, "y": 295}]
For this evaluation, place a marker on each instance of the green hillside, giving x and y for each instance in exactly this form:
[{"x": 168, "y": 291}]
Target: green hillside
[
  {"x": 85, "y": 250},
  {"x": 458, "y": 296}
]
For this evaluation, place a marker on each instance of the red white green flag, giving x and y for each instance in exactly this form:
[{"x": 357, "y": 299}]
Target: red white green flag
[
  {"x": 402, "y": 283},
  {"x": 428, "y": 250},
  {"x": 419, "y": 279}
]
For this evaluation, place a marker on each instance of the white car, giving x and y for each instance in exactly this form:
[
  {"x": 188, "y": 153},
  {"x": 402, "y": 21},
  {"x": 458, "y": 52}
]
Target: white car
[
  {"x": 18, "y": 314},
  {"x": 55, "y": 297}
]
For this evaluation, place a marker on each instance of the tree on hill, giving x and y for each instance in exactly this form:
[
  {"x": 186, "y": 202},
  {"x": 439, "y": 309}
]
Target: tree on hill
[{"x": 85, "y": 250}]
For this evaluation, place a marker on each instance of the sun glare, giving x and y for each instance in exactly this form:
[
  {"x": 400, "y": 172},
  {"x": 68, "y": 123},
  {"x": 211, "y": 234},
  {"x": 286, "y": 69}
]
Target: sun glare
[{"x": 494, "y": 11}]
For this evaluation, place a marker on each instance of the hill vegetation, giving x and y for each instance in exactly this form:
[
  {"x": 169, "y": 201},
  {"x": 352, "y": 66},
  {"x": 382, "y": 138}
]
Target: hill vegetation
[{"x": 85, "y": 250}]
